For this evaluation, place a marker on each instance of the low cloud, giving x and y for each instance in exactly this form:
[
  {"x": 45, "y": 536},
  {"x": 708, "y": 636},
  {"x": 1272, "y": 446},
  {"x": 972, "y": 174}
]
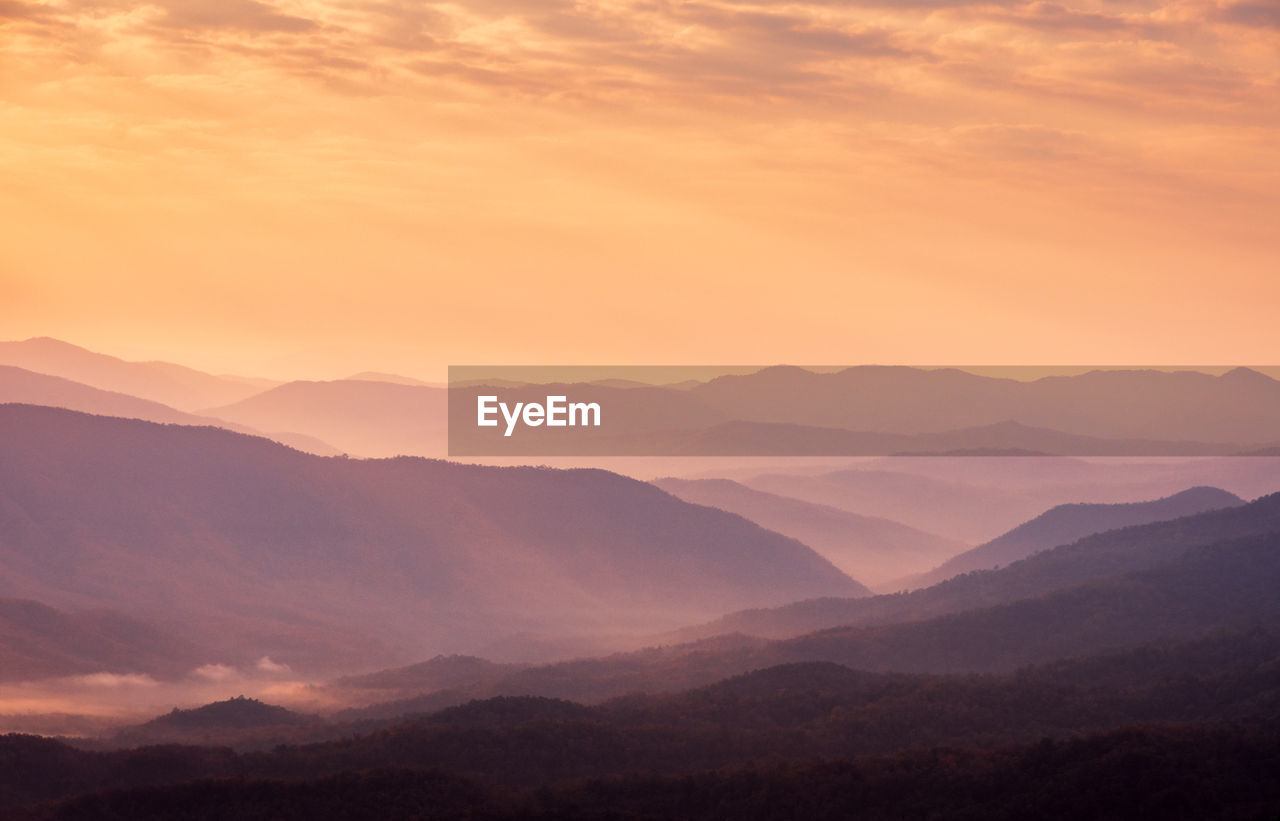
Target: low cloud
[
  {"x": 215, "y": 672},
  {"x": 266, "y": 665},
  {"x": 113, "y": 680}
]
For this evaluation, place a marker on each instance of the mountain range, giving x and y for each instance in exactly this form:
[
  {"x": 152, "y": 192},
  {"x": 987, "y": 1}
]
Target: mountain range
[
  {"x": 175, "y": 385},
  {"x": 1067, "y": 523},
  {"x": 872, "y": 549},
  {"x": 306, "y": 558}
]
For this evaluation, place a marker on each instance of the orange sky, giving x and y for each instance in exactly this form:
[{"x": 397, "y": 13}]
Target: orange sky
[{"x": 311, "y": 188}]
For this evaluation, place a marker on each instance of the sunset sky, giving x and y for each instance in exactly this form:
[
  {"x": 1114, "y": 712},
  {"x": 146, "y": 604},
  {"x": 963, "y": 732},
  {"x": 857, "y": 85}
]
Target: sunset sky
[{"x": 303, "y": 188}]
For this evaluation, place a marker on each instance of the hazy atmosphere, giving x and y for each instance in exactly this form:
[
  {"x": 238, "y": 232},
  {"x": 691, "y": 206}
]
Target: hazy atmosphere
[{"x": 652, "y": 410}]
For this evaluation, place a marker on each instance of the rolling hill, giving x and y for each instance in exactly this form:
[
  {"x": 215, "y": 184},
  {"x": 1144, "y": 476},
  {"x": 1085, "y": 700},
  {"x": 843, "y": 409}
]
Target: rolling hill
[
  {"x": 1128, "y": 549},
  {"x": 871, "y": 549},
  {"x": 1068, "y": 523},
  {"x": 289, "y": 553},
  {"x": 21, "y": 386},
  {"x": 174, "y": 385},
  {"x": 362, "y": 417},
  {"x": 38, "y": 642}
]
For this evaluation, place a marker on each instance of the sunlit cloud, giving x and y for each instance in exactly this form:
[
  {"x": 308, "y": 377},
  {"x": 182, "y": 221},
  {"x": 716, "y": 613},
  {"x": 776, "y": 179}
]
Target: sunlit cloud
[
  {"x": 266, "y": 665},
  {"x": 113, "y": 680},
  {"x": 268, "y": 148},
  {"x": 215, "y": 672}
]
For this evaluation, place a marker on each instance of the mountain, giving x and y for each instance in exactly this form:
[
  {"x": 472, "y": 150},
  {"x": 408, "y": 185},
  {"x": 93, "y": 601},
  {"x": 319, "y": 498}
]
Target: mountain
[
  {"x": 28, "y": 387},
  {"x": 1228, "y": 586},
  {"x": 1129, "y": 549},
  {"x": 1006, "y": 438},
  {"x": 394, "y": 378},
  {"x": 579, "y": 769},
  {"x": 951, "y": 508},
  {"x": 173, "y": 385},
  {"x": 1067, "y": 523},
  {"x": 869, "y": 548},
  {"x": 287, "y": 553},
  {"x": 237, "y": 713},
  {"x": 362, "y": 417},
  {"x": 38, "y": 642},
  {"x": 21, "y": 386},
  {"x": 1241, "y": 405},
  {"x": 239, "y": 722},
  {"x": 1171, "y": 714}
]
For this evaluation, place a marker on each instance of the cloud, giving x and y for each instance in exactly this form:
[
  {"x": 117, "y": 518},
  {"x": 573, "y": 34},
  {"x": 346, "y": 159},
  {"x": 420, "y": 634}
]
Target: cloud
[
  {"x": 215, "y": 672},
  {"x": 266, "y": 665},
  {"x": 17, "y": 10},
  {"x": 1253, "y": 14},
  {"x": 113, "y": 680},
  {"x": 242, "y": 15}
]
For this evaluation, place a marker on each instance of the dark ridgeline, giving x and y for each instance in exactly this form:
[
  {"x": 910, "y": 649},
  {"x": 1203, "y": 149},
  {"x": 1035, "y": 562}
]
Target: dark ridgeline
[
  {"x": 317, "y": 562},
  {"x": 1190, "y": 727}
]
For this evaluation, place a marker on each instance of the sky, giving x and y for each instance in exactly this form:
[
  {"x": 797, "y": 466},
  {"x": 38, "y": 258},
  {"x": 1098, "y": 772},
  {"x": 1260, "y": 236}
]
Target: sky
[{"x": 301, "y": 188}]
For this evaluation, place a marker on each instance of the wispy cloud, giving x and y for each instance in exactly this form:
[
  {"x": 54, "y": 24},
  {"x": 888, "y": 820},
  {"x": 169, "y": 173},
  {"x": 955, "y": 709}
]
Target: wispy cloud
[{"x": 633, "y": 135}]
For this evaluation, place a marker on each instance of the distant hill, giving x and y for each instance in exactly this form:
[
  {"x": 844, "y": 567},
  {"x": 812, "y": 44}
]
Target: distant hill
[
  {"x": 393, "y": 378},
  {"x": 1067, "y": 523},
  {"x": 361, "y": 417},
  {"x": 869, "y": 548},
  {"x": 242, "y": 723},
  {"x": 19, "y": 385},
  {"x": 1241, "y": 405},
  {"x": 174, "y": 385},
  {"x": 1228, "y": 586},
  {"x": 237, "y": 713},
  {"x": 438, "y": 673},
  {"x": 1231, "y": 585},
  {"x": 952, "y": 508},
  {"x": 878, "y": 411},
  {"x": 1128, "y": 549},
  {"x": 1193, "y": 722},
  {"x": 286, "y": 553},
  {"x": 37, "y": 642}
]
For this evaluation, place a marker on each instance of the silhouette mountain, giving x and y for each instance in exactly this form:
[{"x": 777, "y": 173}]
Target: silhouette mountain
[
  {"x": 1067, "y": 523},
  {"x": 287, "y": 553},
  {"x": 869, "y": 548},
  {"x": 174, "y": 385},
  {"x": 239, "y": 722},
  {"x": 237, "y": 713}
]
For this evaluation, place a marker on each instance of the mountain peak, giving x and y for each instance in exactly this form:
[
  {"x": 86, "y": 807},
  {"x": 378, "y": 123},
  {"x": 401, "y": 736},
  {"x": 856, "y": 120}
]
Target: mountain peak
[
  {"x": 233, "y": 713},
  {"x": 1247, "y": 374}
]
